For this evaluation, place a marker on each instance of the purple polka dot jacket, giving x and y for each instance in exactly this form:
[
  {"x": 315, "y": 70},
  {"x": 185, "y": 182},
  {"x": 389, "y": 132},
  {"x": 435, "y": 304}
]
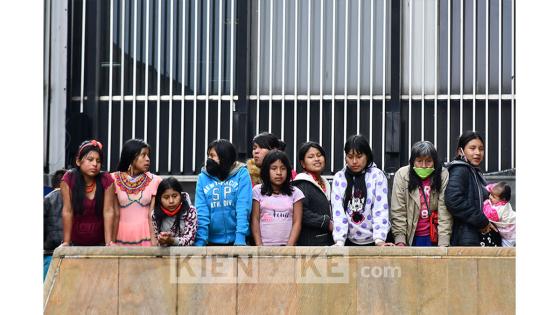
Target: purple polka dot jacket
[{"x": 374, "y": 223}]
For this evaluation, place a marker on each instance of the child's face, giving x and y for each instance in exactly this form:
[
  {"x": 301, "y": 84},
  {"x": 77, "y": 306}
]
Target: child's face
[
  {"x": 90, "y": 164},
  {"x": 259, "y": 154},
  {"x": 278, "y": 173},
  {"x": 170, "y": 199},
  {"x": 141, "y": 163},
  {"x": 313, "y": 161},
  {"x": 356, "y": 161},
  {"x": 495, "y": 195}
]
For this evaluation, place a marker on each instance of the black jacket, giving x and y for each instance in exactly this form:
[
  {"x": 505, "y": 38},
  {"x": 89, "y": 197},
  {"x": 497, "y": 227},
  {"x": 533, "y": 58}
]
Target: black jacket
[
  {"x": 316, "y": 215},
  {"x": 52, "y": 221},
  {"x": 464, "y": 196}
]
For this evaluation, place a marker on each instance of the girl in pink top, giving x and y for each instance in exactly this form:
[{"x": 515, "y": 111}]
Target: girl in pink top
[
  {"x": 499, "y": 211},
  {"x": 135, "y": 188},
  {"x": 277, "y": 206}
]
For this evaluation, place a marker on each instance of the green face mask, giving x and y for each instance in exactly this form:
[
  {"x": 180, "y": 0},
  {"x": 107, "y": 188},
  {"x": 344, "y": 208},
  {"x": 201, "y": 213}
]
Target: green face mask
[{"x": 423, "y": 173}]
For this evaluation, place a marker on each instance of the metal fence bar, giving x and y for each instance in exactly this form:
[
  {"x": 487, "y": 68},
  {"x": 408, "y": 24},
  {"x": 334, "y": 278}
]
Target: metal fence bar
[
  {"x": 170, "y": 122},
  {"x": 436, "y": 31},
  {"x": 259, "y": 65},
  {"x": 232, "y": 56},
  {"x": 487, "y": 147},
  {"x": 448, "y": 79},
  {"x": 410, "y": 2},
  {"x": 474, "y": 66},
  {"x": 383, "y": 101},
  {"x": 295, "y": 74},
  {"x": 371, "y": 40},
  {"x": 345, "y": 70},
  {"x": 283, "y": 68},
  {"x": 220, "y": 37},
  {"x": 195, "y": 84},
  {"x": 308, "y": 67},
  {"x": 423, "y": 68},
  {"x": 358, "y": 66},
  {"x": 158, "y": 86},
  {"x": 147, "y": 52},
  {"x": 500, "y": 85},
  {"x": 462, "y": 64},
  {"x": 83, "y": 56},
  {"x": 270, "y": 61},
  {"x": 110, "y": 104},
  {"x": 321, "y": 44},
  {"x": 513, "y": 83},
  {"x": 134, "y": 56},
  {"x": 183, "y": 40},
  {"x": 207, "y": 72},
  {"x": 220, "y": 40},
  {"x": 121, "y": 140},
  {"x": 333, "y": 84}
]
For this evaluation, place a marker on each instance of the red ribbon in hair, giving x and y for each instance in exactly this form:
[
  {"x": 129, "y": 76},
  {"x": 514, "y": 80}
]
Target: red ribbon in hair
[{"x": 94, "y": 143}]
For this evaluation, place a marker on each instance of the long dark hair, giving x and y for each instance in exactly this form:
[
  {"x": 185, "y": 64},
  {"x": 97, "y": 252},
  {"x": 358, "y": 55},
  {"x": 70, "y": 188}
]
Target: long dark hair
[
  {"x": 226, "y": 153},
  {"x": 131, "y": 149},
  {"x": 271, "y": 157},
  {"x": 465, "y": 138},
  {"x": 169, "y": 183},
  {"x": 79, "y": 190},
  {"x": 269, "y": 141},
  {"x": 420, "y": 149}
]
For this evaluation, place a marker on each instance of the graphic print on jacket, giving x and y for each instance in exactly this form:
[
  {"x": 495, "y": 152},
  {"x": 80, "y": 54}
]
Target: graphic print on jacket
[{"x": 223, "y": 207}]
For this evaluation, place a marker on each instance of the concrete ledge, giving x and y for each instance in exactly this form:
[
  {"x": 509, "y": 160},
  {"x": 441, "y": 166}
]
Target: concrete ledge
[
  {"x": 257, "y": 280},
  {"x": 234, "y": 251}
]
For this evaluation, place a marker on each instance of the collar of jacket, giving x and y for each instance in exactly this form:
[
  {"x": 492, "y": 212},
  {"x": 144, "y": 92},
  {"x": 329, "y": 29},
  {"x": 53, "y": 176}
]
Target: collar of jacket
[{"x": 309, "y": 178}]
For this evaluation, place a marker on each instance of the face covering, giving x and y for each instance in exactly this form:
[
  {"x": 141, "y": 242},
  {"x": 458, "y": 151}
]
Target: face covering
[
  {"x": 423, "y": 173},
  {"x": 216, "y": 170},
  {"x": 213, "y": 168}
]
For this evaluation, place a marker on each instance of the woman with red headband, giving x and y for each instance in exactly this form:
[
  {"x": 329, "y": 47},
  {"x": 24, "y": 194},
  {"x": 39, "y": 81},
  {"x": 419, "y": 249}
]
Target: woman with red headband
[
  {"x": 87, "y": 194},
  {"x": 136, "y": 189}
]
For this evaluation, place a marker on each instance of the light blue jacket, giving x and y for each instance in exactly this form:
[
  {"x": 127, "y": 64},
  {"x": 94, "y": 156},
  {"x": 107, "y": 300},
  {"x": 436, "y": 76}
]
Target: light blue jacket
[{"x": 223, "y": 207}]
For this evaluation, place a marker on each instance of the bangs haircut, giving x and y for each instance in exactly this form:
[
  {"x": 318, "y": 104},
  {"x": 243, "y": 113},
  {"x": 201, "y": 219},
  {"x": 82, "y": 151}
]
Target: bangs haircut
[
  {"x": 423, "y": 149},
  {"x": 168, "y": 183},
  {"x": 360, "y": 145},
  {"x": 308, "y": 145},
  {"x": 270, "y": 158}
]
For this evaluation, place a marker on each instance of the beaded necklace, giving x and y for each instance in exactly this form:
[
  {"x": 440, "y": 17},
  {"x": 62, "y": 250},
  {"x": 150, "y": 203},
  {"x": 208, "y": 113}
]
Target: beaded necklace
[{"x": 132, "y": 185}]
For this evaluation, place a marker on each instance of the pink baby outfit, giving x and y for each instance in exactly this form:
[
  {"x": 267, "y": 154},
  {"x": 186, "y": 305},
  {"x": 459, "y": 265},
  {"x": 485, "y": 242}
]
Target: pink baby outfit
[
  {"x": 134, "y": 195},
  {"x": 503, "y": 216}
]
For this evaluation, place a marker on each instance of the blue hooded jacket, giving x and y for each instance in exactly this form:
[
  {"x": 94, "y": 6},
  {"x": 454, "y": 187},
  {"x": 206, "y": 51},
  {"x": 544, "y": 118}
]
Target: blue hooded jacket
[{"x": 223, "y": 207}]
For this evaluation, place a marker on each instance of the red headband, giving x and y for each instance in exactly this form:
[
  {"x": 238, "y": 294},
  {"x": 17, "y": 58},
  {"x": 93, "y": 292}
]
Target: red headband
[{"x": 94, "y": 143}]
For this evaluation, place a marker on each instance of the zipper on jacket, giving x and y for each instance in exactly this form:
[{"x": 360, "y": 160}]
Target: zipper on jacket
[{"x": 477, "y": 189}]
